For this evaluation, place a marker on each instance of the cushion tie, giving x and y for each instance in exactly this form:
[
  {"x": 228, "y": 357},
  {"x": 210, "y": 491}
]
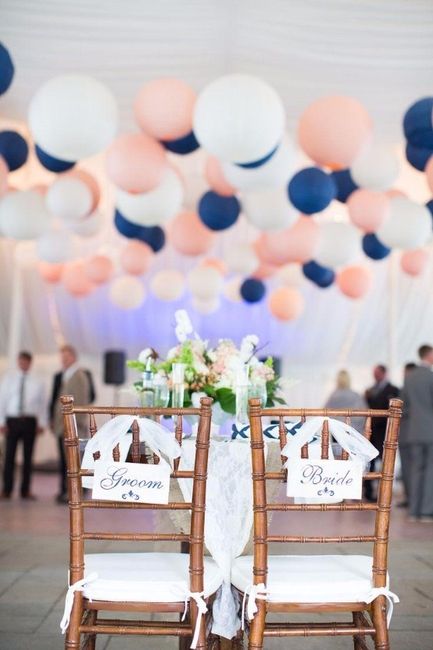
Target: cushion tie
[
  {"x": 202, "y": 609},
  {"x": 254, "y": 592},
  {"x": 389, "y": 595},
  {"x": 69, "y": 600}
]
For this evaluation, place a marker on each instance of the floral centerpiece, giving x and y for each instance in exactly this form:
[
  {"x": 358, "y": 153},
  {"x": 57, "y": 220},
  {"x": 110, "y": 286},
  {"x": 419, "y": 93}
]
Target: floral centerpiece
[{"x": 216, "y": 372}]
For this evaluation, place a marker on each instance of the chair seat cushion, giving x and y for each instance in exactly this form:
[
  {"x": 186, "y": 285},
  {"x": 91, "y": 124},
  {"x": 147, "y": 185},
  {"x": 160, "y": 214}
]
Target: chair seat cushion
[
  {"x": 145, "y": 577},
  {"x": 310, "y": 578}
]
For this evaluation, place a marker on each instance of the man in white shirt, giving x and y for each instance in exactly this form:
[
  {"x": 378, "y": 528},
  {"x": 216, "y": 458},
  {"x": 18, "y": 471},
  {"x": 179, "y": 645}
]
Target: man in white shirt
[{"x": 22, "y": 416}]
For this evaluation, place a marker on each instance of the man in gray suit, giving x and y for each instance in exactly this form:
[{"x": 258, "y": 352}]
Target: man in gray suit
[
  {"x": 74, "y": 381},
  {"x": 418, "y": 426}
]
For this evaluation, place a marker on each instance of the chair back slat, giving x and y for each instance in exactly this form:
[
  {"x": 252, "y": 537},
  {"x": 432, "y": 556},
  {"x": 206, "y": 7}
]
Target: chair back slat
[
  {"x": 135, "y": 447},
  {"x": 367, "y": 428},
  {"x": 324, "y": 452}
]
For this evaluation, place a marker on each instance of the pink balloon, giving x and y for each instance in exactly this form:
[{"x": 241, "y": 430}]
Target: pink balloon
[
  {"x": 50, "y": 272},
  {"x": 215, "y": 263},
  {"x": 4, "y": 170},
  {"x": 75, "y": 280},
  {"x": 334, "y": 130},
  {"x": 368, "y": 209},
  {"x": 393, "y": 193},
  {"x": 91, "y": 183},
  {"x": 98, "y": 269},
  {"x": 189, "y": 236},
  {"x": 286, "y": 303},
  {"x": 40, "y": 189},
  {"x": 136, "y": 162},
  {"x": 354, "y": 281},
  {"x": 429, "y": 173},
  {"x": 414, "y": 262},
  {"x": 136, "y": 257},
  {"x": 214, "y": 175},
  {"x": 294, "y": 244},
  {"x": 164, "y": 108},
  {"x": 264, "y": 271}
]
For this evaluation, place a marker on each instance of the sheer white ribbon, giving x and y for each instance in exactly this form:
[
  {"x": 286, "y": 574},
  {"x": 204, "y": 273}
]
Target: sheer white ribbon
[
  {"x": 69, "y": 600},
  {"x": 116, "y": 432},
  {"x": 202, "y": 609}
]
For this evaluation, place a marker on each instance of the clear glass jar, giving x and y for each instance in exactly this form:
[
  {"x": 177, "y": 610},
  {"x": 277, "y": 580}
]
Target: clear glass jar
[{"x": 257, "y": 388}]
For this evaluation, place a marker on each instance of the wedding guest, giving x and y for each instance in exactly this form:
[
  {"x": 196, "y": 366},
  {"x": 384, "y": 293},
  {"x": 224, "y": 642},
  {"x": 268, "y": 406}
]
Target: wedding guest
[
  {"x": 72, "y": 380},
  {"x": 22, "y": 417},
  {"x": 378, "y": 397},
  {"x": 404, "y": 449},
  {"x": 343, "y": 397},
  {"x": 418, "y": 415}
]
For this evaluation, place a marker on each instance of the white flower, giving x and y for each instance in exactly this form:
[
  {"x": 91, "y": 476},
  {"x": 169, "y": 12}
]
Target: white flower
[
  {"x": 172, "y": 352},
  {"x": 183, "y": 325},
  {"x": 144, "y": 355},
  {"x": 248, "y": 347}
]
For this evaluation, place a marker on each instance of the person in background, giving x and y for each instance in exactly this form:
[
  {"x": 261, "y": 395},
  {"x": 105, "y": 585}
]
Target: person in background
[
  {"x": 72, "y": 380},
  {"x": 343, "y": 397},
  {"x": 378, "y": 397},
  {"x": 22, "y": 417},
  {"x": 404, "y": 449},
  {"x": 417, "y": 396}
]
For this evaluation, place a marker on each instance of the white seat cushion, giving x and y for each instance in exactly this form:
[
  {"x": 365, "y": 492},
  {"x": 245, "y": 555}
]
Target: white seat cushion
[
  {"x": 145, "y": 577},
  {"x": 310, "y": 578}
]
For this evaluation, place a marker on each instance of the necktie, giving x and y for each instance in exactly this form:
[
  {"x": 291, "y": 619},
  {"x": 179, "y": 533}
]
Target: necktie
[{"x": 21, "y": 397}]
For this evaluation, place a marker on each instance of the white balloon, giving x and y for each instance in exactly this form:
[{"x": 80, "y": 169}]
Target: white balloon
[
  {"x": 55, "y": 247},
  {"x": 205, "y": 307},
  {"x": 205, "y": 282},
  {"x": 290, "y": 275},
  {"x": 73, "y": 116},
  {"x": 275, "y": 173},
  {"x": 339, "y": 244},
  {"x": 155, "y": 207},
  {"x": 69, "y": 198},
  {"x": 89, "y": 226},
  {"x": 232, "y": 289},
  {"x": 239, "y": 118},
  {"x": 168, "y": 285},
  {"x": 23, "y": 215},
  {"x": 375, "y": 169},
  {"x": 241, "y": 258},
  {"x": 408, "y": 225},
  {"x": 269, "y": 209},
  {"x": 127, "y": 292}
]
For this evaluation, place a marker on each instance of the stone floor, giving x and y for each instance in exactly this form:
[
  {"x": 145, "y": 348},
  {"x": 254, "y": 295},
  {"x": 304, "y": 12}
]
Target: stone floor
[{"x": 34, "y": 556}]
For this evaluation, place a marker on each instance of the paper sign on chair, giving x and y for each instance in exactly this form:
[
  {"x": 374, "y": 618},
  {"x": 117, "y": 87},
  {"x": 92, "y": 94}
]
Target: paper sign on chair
[
  {"x": 115, "y": 481},
  {"x": 324, "y": 478}
]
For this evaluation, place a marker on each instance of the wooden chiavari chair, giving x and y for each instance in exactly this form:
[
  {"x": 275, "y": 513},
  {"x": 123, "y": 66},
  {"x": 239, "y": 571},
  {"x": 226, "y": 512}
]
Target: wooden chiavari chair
[
  {"x": 130, "y": 582},
  {"x": 310, "y": 583}
]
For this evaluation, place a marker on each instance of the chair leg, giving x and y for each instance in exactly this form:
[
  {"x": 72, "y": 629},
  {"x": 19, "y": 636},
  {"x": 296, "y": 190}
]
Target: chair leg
[
  {"x": 359, "y": 642},
  {"x": 201, "y": 643},
  {"x": 257, "y": 626},
  {"x": 91, "y": 638},
  {"x": 72, "y": 640},
  {"x": 381, "y": 638}
]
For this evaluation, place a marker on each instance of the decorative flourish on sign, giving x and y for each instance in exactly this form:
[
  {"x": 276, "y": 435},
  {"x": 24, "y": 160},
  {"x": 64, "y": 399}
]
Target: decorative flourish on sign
[
  {"x": 326, "y": 491},
  {"x": 132, "y": 495}
]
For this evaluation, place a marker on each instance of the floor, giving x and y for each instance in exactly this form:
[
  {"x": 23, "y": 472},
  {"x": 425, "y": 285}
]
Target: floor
[{"x": 34, "y": 556}]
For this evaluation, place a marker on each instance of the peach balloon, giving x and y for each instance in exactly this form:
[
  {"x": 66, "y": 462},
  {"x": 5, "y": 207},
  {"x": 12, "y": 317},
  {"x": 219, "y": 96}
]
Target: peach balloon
[
  {"x": 214, "y": 175},
  {"x": 414, "y": 262},
  {"x": 286, "y": 303},
  {"x": 429, "y": 173},
  {"x": 368, "y": 209},
  {"x": 294, "y": 244},
  {"x": 215, "y": 263},
  {"x": 354, "y": 281},
  {"x": 50, "y": 272},
  {"x": 136, "y": 163},
  {"x": 189, "y": 236},
  {"x": 136, "y": 257},
  {"x": 91, "y": 183},
  {"x": 99, "y": 269},
  {"x": 164, "y": 107},
  {"x": 264, "y": 271},
  {"x": 334, "y": 130},
  {"x": 40, "y": 189},
  {"x": 392, "y": 193},
  {"x": 4, "y": 170},
  {"x": 75, "y": 280}
]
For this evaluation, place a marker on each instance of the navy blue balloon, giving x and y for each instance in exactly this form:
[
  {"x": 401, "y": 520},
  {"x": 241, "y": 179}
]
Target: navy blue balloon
[
  {"x": 260, "y": 162},
  {"x": 374, "y": 248},
  {"x": 154, "y": 236},
  {"x": 418, "y": 125},
  {"x": 252, "y": 290},
  {"x": 14, "y": 149},
  {"x": 218, "y": 212},
  {"x": 125, "y": 227},
  {"x": 320, "y": 275},
  {"x": 429, "y": 205},
  {"x": 51, "y": 163},
  {"x": 6, "y": 69},
  {"x": 182, "y": 146},
  {"x": 418, "y": 157},
  {"x": 345, "y": 184},
  {"x": 311, "y": 190}
]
